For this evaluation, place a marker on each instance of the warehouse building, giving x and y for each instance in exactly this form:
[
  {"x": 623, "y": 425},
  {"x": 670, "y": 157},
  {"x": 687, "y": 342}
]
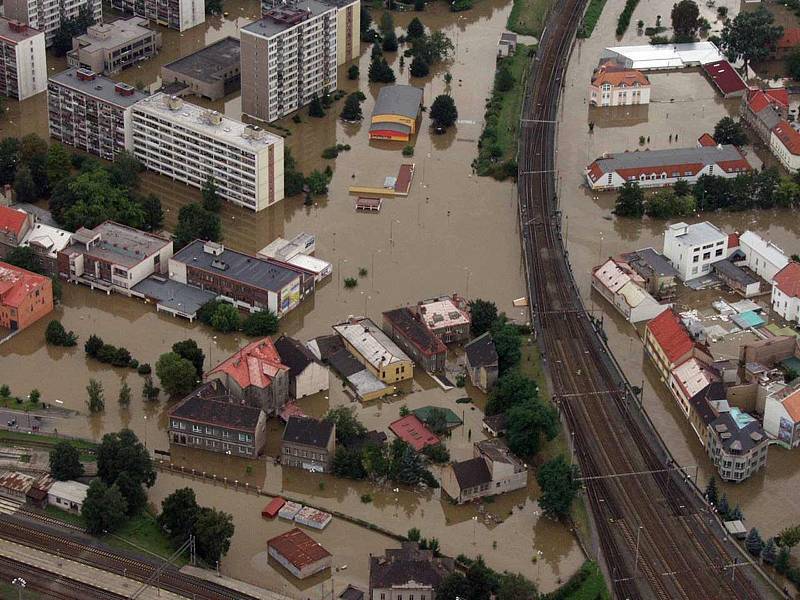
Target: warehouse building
[
  {"x": 299, "y": 553},
  {"x": 396, "y": 113}
]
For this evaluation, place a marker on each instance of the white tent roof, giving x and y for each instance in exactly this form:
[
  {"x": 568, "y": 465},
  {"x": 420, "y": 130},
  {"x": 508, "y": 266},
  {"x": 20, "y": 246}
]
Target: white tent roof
[{"x": 665, "y": 56}]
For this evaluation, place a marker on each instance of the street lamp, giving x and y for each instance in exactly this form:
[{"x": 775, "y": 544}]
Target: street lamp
[
  {"x": 539, "y": 554},
  {"x": 391, "y": 231},
  {"x": 20, "y": 584},
  {"x": 374, "y": 252},
  {"x": 145, "y": 431},
  {"x": 339, "y": 269}
]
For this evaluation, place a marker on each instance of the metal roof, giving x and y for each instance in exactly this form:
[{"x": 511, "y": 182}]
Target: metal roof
[
  {"x": 658, "y": 159},
  {"x": 402, "y": 100}
]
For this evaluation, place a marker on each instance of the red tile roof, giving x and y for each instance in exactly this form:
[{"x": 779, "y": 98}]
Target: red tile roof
[
  {"x": 788, "y": 136},
  {"x": 788, "y": 279},
  {"x": 758, "y": 100},
  {"x": 12, "y": 220},
  {"x": 670, "y": 334},
  {"x": 792, "y": 405},
  {"x": 616, "y": 75},
  {"x": 725, "y": 77},
  {"x": 733, "y": 240},
  {"x": 16, "y": 284},
  {"x": 414, "y": 432},
  {"x": 706, "y": 140},
  {"x": 257, "y": 364},
  {"x": 790, "y": 38},
  {"x": 298, "y": 548}
]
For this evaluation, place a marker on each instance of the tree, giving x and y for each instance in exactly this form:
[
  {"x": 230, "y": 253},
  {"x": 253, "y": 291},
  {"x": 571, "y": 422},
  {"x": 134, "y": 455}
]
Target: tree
[
  {"x": 419, "y": 5},
  {"x": 507, "y": 344},
  {"x": 750, "y": 36},
  {"x": 437, "y": 453},
  {"x": 93, "y": 345},
  {"x": 179, "y": 512},
  {"x": 211, "y": 198},
  {"x": 153, "y": 213},
  {"x": 123, "y": 452},
  {"x": 380, "y": 71},
  {"x": 558, "y": 482},
  {"x": 9, "y": 159},
  {"x": 65, "y": 462},
  {"x": 189, "y": 350},
  {"x": 149, "y": 391},
  {"x": 782, "y": 562},
  {"x": 33, "y": 153},
  {"x": 124, "y": 171},
  {"x": 770, "y": 552},
  {"x": 132, "y": 491},
  {"x": 35, "y": 396},
  {"x": 124, "y": 394},
  {"x": 176, "y": 374},
  {"x": 23, "y": 257},
  {"x": 793, "y": 63},
  {"x": 214, "y": 7},
  {"x": 104, "y": 508},
  {"x": 685, "y": 20},
  {"x": 226, "y": 318},
  {"x": 351, "y": 111},
  {"x": 530, "y": 423},
  {"x": 419, "y": 68},
  {"x": 443, "y": 111},
  {"x": 481, "y": 580},
  {"x": 512, "y": 389},
  {"x": 213, "y": 531},
  {"x": 348, "y": 427},
  {"x": 353, "y": 72},
  {"x": 432, "y": 48},
  {"x": 415, "y": 29},
  {"x": 315, "y": 109},
  {"x": 453, "y": 587},
  {"x": 24, "y": 187},
  {"x": 504, "y": 80},
  {"x": 56, "y": 335},
  {"x": 483, "y": 314},
  {"x": 96, "y": 401},
  {"x": 753, "y": 542},
  {"x": 261, "y": 323},
  {"x": 711, "y": 490},
  {"x": 630, "y": 201},
  {"x": 317, "y": 183},
  {"x": 58, "y": 163},
  {"x": 347, "y": 463},
  {"x": 196, "y": 223},
  {"x": 436, "y": 421},
  {"x": 723, "y": 507},
  {"x": 789, "y": 537},
  {"x": 665, "y": 203},
  {"x": 514, "y": 586},
  {"x": 728, "y": 131},
  {"x": 389, "y": 43}
]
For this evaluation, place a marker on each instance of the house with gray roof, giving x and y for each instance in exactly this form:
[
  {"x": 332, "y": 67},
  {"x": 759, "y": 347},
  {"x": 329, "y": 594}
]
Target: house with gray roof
[
  {"x": 396, "y": 113},
  {"x": 407, "y": 572},
  {"x": 308, "y": 444},
  {"x": 482, "y": 362},
  {"x": 493, "y": 470}
]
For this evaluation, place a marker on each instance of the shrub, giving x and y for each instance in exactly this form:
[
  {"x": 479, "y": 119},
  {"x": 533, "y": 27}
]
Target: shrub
[
  {"x": 353, "y": 72},
  {"x": 408, "y": 150},
  {"x": 366, "y": 498},
  {"x": 350, "y": 282},
  {"x": 261, "y": 323},
  {"x": 625, "y": 16},
  {"x": 144, "y": 369},
  {"x": 297, "y": 118},
  {"x": 56, "y": 335},
  {"x": 330, "y": 153},
  {"x": 362, "y": 272}
]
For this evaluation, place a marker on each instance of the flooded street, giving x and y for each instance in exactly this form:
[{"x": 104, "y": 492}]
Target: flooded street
[
  {"x": 453, "y": 232},
  {"x": 683, "y": 103}
]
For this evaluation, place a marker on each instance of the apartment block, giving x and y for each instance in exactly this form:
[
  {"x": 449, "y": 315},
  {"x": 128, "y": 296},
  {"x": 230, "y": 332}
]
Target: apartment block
[
  {"x": 288, "y": 57},
  {"x": 110, "y": 47},
  {"x": 91, "y": 112},
  {"x": 23, "y": 65},
  {"x": 190, "y": 144},
  {"x": 692, "y": 249},
  {"x": 47, "y": 15},
  {"x": 175, "y": 14}
]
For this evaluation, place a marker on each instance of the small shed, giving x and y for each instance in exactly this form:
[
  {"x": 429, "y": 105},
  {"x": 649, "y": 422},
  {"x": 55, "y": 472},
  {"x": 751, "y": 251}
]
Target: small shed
[
  {"x": 507, "y": 44},
  {"x": 289, "y": 510},
  {"x": 736, "y": 529},
  {"x": 270, "y": 511}
]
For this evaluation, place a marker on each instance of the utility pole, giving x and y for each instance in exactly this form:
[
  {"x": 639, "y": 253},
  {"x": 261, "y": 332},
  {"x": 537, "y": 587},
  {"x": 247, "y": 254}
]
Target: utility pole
[{"x": 636, "y": 561}]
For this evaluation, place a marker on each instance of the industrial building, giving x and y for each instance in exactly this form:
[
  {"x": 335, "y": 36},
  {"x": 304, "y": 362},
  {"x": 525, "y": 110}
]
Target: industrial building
[
  {"x": 23, "y": 64},
  {"x": 190, "y": 144}
]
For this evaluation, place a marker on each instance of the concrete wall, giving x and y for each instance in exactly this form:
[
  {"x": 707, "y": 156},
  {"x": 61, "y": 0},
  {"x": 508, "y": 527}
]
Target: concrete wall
[
  {"x": 314, "y": 378},
  {"x": 768, "y": 352},
  {"x": 744, "y": 397}
]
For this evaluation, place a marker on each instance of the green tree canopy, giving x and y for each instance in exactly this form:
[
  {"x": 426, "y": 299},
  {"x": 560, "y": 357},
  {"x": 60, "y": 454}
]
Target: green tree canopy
[
  {"x": 443, "y": 111},
  {"x": 196, "y": 223},
  {"x": 226, "y": 318},
  {"x": 530, "y": 424},
  {"x": 512, "y": 389},
  {"x": 104, "y": 509},
  {"x": 685, "y": 20},
  {"x": 179, "y": 512},
  {"x": 419, "y": 68},
  {"x": 348, "y": 427},
  {"x": 351, "y": 111},
  {"x": 415, "y": 29},
  {"x": 380, "y": 71},
  {"x": 189, "y": 350},
  {"x": 630, "y": 201},
  {"x": 59, "y": 163},
  {"x": 212, "y": 201},
  {"x": 213, "y": 531},
  {"x": 261, "y": 323},
  {"x": 177, "y": 375},
  {"x": 96, "y": 400},
  {"x": 123, "y": 452},
  {"x": 65, "y": 462},
  {"x": 750, "y": 36},
  {"x": 508, "y": 344},
  {"x": 484, "y": 314},
  {"x": 559, "y": 485},
  {"x": 728, "y": 131}
]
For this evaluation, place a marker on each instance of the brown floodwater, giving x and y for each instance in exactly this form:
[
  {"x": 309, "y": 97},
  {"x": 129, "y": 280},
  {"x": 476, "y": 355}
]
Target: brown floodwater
[
  {"x": 686, "y": 104},
  {"x": 454, "y": 232}
]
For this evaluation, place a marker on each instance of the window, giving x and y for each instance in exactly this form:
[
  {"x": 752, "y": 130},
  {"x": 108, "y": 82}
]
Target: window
[
  {"x": 197, "y": 429},
  {"x": 718, "y": 252}
]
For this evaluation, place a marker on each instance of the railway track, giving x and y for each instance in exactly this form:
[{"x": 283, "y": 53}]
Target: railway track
[
  {"x": 656, "y": 538},
  {"x": 82, "y": 549},
  {"x": 51, "y": 586}
]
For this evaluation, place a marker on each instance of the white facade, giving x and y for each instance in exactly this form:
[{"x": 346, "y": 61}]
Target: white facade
[
  {"x": 23, "y": 64},
  {"x": 288, "y": 57},
  {"x": 764, "y": 258},
  {"x": 67, "y": 495},
  {"x": 175, "y": 14},
  {"x": 788, "y": 307},
  {"x": 314, "y": 378},
  {"x": 691, "y": 249},
  {"x": 784, "y": 142},
  {"x": 620, "y": 95},
  {"x": 47, "y": 15},
  {"x": 626, "y": 294},
  {"x": 190, "y": 144}
]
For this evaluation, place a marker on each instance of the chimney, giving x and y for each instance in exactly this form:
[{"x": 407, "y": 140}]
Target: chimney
[
  {"x": 124, "y": 89},
  {"x": 17, "y": 27},
  {"x": 86, "y": 75}
]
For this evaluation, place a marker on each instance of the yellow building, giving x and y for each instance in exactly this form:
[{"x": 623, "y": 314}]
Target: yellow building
[
  {"x": 396, "y": 113},
  {"x": 373, "y": 348}
]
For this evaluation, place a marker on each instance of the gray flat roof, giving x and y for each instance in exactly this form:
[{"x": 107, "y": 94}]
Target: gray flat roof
[
  {"x": 207, "y": 63},
  {"x": 100, "y": 87},
  {"x": 242, "y": 267},
  {"x": 270, "y": 26},
  {"x": 22, "y": 32},
  {"x": 384, "y": 126},
  {"x": 118, "y": 244},
  {"x": 174, "y": 295},
  {"x": 671, "y": 156},
  {"x": 730, "y": 270},
  {"x": 699, "y": 233},
  {"x": 116, "y": 33},
  {"x": 398, "y": 100}
]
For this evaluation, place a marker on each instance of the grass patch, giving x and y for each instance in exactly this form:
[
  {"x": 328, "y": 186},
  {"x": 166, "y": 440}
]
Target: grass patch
[
  {"x": 41, "y": 441},
  {"x": 9, "y": 591},
  {"x": 590, "y": 18},
  {"x": 497, "y": 148},
  {"x": 530, "y": 365},
  {"x": 64, "y": 516},
  {"x": 528, "y": 17},
  {"x": 14, "y": 403},
  {"x": 586, "y": 584}
]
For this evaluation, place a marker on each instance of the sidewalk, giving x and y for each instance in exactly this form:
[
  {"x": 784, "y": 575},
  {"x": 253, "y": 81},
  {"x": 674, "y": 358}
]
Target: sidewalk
[
  {"x": 75, "y": 571},
  {"x": 234, "y": 584}
]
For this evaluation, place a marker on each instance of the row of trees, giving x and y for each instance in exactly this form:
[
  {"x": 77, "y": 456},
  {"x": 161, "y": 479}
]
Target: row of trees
[
  {"x": 479, "y": 582},
  {"x": 96, "y": 348},
  {"x": 225, "y": 317}
]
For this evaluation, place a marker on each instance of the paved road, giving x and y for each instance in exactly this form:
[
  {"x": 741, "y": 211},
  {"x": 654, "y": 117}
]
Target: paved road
[{"x": 45, "y": 423}]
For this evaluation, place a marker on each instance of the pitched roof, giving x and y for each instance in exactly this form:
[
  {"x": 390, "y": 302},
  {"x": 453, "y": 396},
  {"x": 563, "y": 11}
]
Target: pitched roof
[
  {"x": 758, "y": 99},
  {"x": 308, "y": 431},
  {"x": 12, "y": 221},
  {"x": 294, "y": 354},
  {"x": 406, "y": 324},
  {"x": 702, "y": 401},
  {"x": 671, "y": 335},
  {"x": 481, "y": 351},
  {"x": 706, "y": 140},
  {"x": 401, "y": 100},
  {"x": 298, "y": 548},
  {"x": 788, "y": 279},
  {"x": 371, "y": 343},
  {"x": 725, "y": 77},
  {"x": 408, "y": 563},
  {"x": 213, "y": 406},
  {"x": 615, "y": 74},
  {"x": 16, "y": 284},
  {"x": 471, "y": 473},
  {"x": 768, "y": 250},
  {"x": 792, "y": 405},
  {"x": 257, "y": 364},
  {"x": 414, "y": 432},
  {"x": 788, "y": 136},
  {"x": 497, "y": 423}
]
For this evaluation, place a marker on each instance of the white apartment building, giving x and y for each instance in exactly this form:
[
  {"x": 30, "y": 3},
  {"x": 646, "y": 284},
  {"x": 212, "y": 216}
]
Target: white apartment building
[
  {"x": 762, "y": 257},
  {"x": 691, "y": 249},
  {"x": 23, "y": 65},
  {"x": 288, "y": 57},
  {"x": 47, "y": 15},
  {"x": 190, "y": 144},
  {"x": 91, "y": 112},
  {"x": 786, "y": 292},
  {"x": 175, "y": 14}
]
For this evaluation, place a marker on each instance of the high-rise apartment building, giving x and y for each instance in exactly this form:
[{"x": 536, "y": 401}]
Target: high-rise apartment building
[
  {"x": 190, "y": 144},
  {"x": 288, "y": 57},
  {"x": 91, "y": 112},
  {"x": 175, "y": 14},
  {"x": 47, "y": 15},
  {"x": 23, "y": 65}
]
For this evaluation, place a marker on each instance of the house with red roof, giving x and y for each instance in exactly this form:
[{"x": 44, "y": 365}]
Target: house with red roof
[
  {"x": 725, "y": 78},
  {"x": 786, "y": 292},
  {"x": 764, "y": 109},
  {"x": 25, "y": 297},
  {"x": 614, "y": 84},
  {"x": 414, "y": 432},
  {"x": 787, "y": 42},
  {"x": 668, "y": 344},
  {"x": 14, "y": 224},
  {"x": 785, "y": 145},
  {"x": 256, "y": 376}
]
